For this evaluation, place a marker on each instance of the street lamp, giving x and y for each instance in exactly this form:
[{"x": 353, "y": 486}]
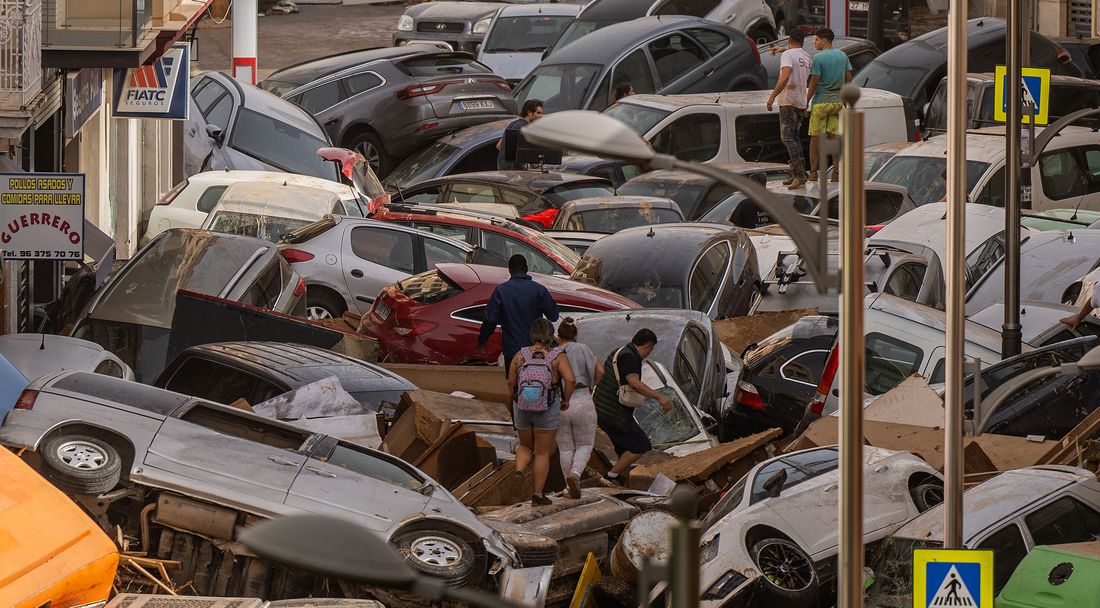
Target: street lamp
[
  {"x": 345, "y": 550},
  {"x": 601, "y": 135}
]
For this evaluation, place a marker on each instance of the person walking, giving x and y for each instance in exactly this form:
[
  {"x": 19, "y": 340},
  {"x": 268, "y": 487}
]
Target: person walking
[
  {"x": 513, "y": 306},
  {"x": 616, "y": 396},
  {"x": 829, "y": 71},
  {"x": 577, "y": 432},
  {"x": 509, "y": 140},
  {"x": 542, "y": 386},
  {"x": 790, "y": 91}
]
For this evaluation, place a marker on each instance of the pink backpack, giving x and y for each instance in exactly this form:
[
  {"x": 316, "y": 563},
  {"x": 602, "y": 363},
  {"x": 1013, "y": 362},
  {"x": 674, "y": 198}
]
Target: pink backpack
[{"x": 535, "y": 384}]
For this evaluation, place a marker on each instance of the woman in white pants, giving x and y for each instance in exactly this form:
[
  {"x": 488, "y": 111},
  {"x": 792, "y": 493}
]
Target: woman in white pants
[{"x": 577, "y": 430}]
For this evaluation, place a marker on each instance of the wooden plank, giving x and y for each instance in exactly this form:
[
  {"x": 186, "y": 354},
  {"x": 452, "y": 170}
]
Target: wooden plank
[
  {"x": 473, "y": 480},
  {"x": 1065, "y": 450}
]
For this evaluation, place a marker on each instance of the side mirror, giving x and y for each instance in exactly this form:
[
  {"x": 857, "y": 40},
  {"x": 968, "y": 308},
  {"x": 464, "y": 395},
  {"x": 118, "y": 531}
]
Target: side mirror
[
  {"x": 774, "y": 485},
  {"x": 215, "y": 132}
]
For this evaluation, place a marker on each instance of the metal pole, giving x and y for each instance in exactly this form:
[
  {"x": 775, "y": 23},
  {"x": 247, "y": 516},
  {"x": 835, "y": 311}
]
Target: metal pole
[
  {"x": 956, "y": 285},
  {"x": 683, "y": 563},
  {"x": 1010, "y": 330},
  {"x": 852, "y": 225},
  {"x": 244, "y": 40}
]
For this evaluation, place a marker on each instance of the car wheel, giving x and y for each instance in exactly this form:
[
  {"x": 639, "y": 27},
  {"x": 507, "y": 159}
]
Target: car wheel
[
  {"x": 614, "y": 592},
  {"x": 81, "y": 464},
  {"x": 321, "y": 305},
  {"x": 651, "y": 503},
  {"x": 438, "y": 554},
  {"x": 761, "y": 34},
  {"x": 927, "y": 495},
  {"x": 533, "y": 549},
  {"x": 789, "y": 576},
  {"x": 1069, "y": 297},
  {"x": 370, "y": 146}
]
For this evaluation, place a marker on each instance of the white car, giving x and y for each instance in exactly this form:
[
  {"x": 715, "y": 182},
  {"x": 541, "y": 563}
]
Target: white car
[
  {"x": 769, "y": 537},
  {"x": 36, "y": 355},
  {"x": 267, "y": 210},
  {"x": 518, "y": 35}
]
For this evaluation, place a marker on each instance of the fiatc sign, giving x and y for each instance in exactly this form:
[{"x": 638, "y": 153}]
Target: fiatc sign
[
  {"x": 42, "y": 216},
  {"x": 159, "y": 90}
]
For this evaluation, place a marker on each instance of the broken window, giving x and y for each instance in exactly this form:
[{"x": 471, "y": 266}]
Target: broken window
[
  {"x": 245, "y": 427},
  {"x": 889, "y": 361},
  {"x": 367, "y": 463}
]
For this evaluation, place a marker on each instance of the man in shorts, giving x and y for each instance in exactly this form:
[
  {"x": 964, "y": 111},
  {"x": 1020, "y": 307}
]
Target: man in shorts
[
  {"x": 829, "y": 71},
  {"x": 616, "y": 419}
]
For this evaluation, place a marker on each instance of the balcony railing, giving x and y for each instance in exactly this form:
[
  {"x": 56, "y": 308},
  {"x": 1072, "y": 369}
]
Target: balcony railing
[
  {"x": 20, "y": 51},
  {"x": 123, "y": 24}
]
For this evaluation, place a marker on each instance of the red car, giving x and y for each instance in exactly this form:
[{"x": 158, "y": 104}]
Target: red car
[
  {"x": 493, "y": 234},
  {"x": 435, "y": 317}
]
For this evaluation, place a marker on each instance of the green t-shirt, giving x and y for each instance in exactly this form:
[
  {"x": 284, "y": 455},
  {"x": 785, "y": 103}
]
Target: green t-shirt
[{"x": 829, "y": 66}]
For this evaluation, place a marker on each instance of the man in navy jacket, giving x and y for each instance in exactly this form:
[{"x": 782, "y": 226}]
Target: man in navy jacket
[{"x": 514, "y": 306}]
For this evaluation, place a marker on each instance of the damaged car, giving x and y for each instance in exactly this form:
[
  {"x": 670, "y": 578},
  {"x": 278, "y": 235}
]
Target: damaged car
[
  {"x": 610, "y": 214},
  {"x": 772, "y": 539}
]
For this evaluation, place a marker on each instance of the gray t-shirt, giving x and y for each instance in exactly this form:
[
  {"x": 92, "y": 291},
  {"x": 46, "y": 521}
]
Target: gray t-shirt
[{"x": 582, "y": 361}]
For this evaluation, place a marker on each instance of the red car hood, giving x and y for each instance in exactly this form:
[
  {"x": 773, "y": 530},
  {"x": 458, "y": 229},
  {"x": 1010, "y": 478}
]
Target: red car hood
[{"x": 468, "y": 276}]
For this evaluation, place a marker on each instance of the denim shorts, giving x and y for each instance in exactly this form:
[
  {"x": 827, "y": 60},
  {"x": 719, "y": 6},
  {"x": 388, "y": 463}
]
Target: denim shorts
[{"x": 547, "y": 420}]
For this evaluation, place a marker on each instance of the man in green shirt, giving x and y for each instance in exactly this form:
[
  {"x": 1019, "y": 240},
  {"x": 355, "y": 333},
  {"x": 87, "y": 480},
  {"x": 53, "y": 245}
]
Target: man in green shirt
[{"x": 829, "y": 71}]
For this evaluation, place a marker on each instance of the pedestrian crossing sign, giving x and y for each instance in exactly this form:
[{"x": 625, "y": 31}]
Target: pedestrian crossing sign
[
  {"x": 1036, "y": 90},
  {"x": 952, "y": 578}
]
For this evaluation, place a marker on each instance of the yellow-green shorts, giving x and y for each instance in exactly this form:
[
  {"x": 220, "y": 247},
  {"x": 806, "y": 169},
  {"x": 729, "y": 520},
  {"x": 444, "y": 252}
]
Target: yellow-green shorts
[{"x": 825, "y": 118}]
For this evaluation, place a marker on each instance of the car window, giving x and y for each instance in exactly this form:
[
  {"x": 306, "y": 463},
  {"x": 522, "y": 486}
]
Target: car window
[
  {"x": 1061, "y": 175},
  {"x": 635, "y": 69},
  {"x": 888, "y": 362},
  {"x": 1066, "y": 520},
  {"x": 461, "y": 233},
  {"x": 882, "y": 206},
  {"x": 982, "y": 259},
  {"x": 220, "y": 112},
  {"x": 212, "y": 381},
  {"x": 1009, "y": 549},
  {"x": 389, "y": 248},
  {"x": 906, "y": 280},
  {"x": 481, "y": 158},
  {"x": 361, "y": 82},
  {"x": 206, "y": 96},
  {"x": 707, "y": 276},
  {"x": 525, "y": 34},
  {"x": 799, "y": 467},
  {"x": 265, "y": 291},
  {"x": 438, "y": 252},
  {"x": 428, "y": 195},
  {"x": 805, "y": 368},
  {"x": 695, "y": 8},
  {"x": 506, "y": 247},
  {"x": 994, "y": 191},
  {"x": 432, "y": 64},
  {"x": 674, "y": 56},
  {"x": 250, "y": 428},
  {"x": 561, "y": 87},
  {"x": 270, "y": 140},
  {"x": 637, "y": 117},
  {"x": 922, "y": 176},
  {"x": 109, "y": 367},
  {"x": 364, "y": 462},
  {"x": 860, "y": 59},
  {"x": 515, "y": 198},
  {"x": 694, "y": 137},
  {"x": 714, "y": 41},
  {"x": 691, "y": 362},
  {"x": 209, "y": 198},
  {"x": 757, "y": 138},
  {"x": 1092, "y": 166},
  {"x": 471, "y": 193},
  {"x": 321, "y": 97},
  {"x": 630, "y": 171}
]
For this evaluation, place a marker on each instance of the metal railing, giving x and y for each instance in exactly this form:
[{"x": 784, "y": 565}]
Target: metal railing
[
  {"x": 95, "y": 23},
  {"x": 20, "y": 49}
]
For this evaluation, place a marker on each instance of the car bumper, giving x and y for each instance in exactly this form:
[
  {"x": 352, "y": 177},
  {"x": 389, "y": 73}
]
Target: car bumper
[{"x": 459, "y": 42}]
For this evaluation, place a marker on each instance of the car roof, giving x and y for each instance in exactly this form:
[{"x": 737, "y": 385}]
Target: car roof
[
  {"x": 542, "y": 8},
  {"x": 308, "y": 71},
  {"x": 278, "y": 200},
  {"x": 532, "y": 180},
  {"x": 602, "y": 10},
  {"x": 1054, "y": 79},
  {"x": 839, "y": 42},
  {"x": 468, "y": 276},
  {"x": 614, "y": 39},
  {"x": 297, "y": 179},
  {"x": 476, "y": 134},
  {"x": 1036, "y": 317},
  {"x": 931, "y": 318},
  {"x": 688, "y": 177},
  {"x": 868, "y": 97},
  {"x": 927, "y": 226},
  {"x": 987, "y": 143},
  {"x": 618, "y": 202},
  {"x": 668, "y": 251},
  {"x": 813, "y": 189},
  {"x": 992, "y": 501},
  {"x": 890, "y": 146}
]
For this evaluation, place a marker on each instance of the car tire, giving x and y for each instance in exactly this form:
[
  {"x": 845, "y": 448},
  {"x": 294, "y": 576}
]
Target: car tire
[
  {"x": 323, "y": 305},
  {"x": 80, "y": 464},
  {"x": 789, "y": 577},
  {"x": 761, "y": 34},
  {"x": 533, "y": 549},
  {"x": 370, "y": 146},
  {"x": 614, "y": 592},
  {"x": 651, "y": 503},
  {"x": 927, "y": 495},
  {"x": 438, "y": 554}
]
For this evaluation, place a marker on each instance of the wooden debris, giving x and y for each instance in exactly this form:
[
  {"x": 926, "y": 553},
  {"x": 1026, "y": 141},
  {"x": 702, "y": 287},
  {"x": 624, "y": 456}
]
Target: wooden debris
[{"x": 1066, "y": 450}]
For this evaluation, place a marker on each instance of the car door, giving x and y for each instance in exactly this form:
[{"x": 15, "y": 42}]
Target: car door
[
  {"x": 435, "y": 251},
  {"x": 347, "y": 480},
  {"x": 1063, "y": 182},
  {"x": 681, "y": 65},
  {"x": 233, "y": 455},
  {"x": 213, "y": 381},
  {"x": 374, "y": 257},
  {"x": 323, "y": 101},
  {"x": 707, "y": 278},
  {"x": 214, "y": 106},
  {"x": 506, "y": 246}
]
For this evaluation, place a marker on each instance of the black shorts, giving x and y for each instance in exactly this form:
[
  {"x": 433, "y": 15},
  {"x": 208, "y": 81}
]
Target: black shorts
[{"x": 630, "y": 439}]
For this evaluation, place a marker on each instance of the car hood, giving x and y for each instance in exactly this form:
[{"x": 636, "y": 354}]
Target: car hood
[{"x": 453, "y": 11}]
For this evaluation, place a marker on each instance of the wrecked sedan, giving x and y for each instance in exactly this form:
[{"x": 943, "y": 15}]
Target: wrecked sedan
[
  {"x": 772, "y": 539},
  {"x": 703, "y": 267},
  {"x": 131, "y": 315},
  {"x": 435, "y": 317},
  {"x": 694, "y": 193},
  {"x": 93, "y": 434},
  {"x": 1009, "y": 514},
  {"x": 610, "y": 214}
]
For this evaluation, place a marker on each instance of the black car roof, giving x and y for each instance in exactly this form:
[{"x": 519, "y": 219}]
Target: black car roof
[
  {"x": 536, "y": 181},
  {"x": 606, "y": 10},
  {"x": 308, "y": 71},
  {"x": 613, "y": 39},
  {"x": 635, "y": 256}
]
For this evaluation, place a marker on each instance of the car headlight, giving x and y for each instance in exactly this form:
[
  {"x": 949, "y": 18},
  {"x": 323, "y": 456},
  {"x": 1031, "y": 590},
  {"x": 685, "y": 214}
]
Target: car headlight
[
  {"x": 482, "y": 27},
  {"x": 404, "y": 23},
  {"x": 725, "y": 585},
  {"x": 709, "y": 550}
]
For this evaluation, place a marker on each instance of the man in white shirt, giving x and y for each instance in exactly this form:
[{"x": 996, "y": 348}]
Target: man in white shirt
[{"x": 790, "y": 91}]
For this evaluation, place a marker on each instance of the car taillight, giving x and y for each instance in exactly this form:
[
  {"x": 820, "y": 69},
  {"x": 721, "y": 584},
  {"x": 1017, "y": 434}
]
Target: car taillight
[
  {"x": 404, "y": 327},
  {"x": 427, "y": 127},
  {"x": 172, "y": 194},
  {"x": 295, "y": 255},
  {"x": 1063, "y": 56},
  {"x": 871, "y": 230},
  {"x": 300, "y": 288},
  {"x": 26, "y": 400},
  {"x": 755, "y": 50},
  {"x": 748, "y": 396},
  {"x": 818, "y": 404},
  {"x": 420, "y": 90}
]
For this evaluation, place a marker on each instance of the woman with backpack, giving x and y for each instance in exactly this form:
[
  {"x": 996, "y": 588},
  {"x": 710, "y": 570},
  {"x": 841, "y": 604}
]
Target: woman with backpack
[
  {"x": 577, "y": 432},
  {"x": 542, "y": 385}
]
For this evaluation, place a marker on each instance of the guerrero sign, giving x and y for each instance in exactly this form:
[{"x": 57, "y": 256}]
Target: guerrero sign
[
  {"x": 42, "y": 216},
  {"x": 159, "y": 90}
]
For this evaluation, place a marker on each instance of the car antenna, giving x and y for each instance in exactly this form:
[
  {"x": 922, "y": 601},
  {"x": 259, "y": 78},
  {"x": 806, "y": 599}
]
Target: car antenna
[
  {"x": 651, "y": 233},
  {"x": 42, "y": 346}
]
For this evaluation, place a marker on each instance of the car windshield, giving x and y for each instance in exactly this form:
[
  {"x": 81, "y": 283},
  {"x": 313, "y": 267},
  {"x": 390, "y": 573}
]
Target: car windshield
[
  {"x": 639, "y": 118},
  {"x": 905, "y": 81},
  {"x": 560, "y": 87},
  {"x": 426, "y": 164},
  {"x": 923, "y": 176},
  {"x": 731, "y": 500},
  {"x": 651, "y": 296},
  {"x": 666, "y": 429},
  {"x": 280, "y": 145},
  {"x": 435, "y": 65},
  {"x": 577, "y": 29},
  {"x": 686, "y": 195},
  {"x": 267, "y": 227},
  {"x": 565, "y": 254},
  {"x": 613, "y": 220},
  {"x": 561, "y": 194},
  {"x": 873, "y": 161},
  {"x": 527, "y": 34},
  {"x": 893, "y": 572}
]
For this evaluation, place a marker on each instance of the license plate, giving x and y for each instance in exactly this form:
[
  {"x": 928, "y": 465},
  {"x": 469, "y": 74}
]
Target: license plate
[
  {"x": 477, "y": 104},
  {"x": 382, "y": 310},
  {"x": 857, "y": 6}
]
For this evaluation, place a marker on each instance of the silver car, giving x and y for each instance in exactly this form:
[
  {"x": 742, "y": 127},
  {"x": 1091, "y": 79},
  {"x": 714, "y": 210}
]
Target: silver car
[
  {"x": 94, "y": 433},
  {"x": 347, "y": 261}
]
